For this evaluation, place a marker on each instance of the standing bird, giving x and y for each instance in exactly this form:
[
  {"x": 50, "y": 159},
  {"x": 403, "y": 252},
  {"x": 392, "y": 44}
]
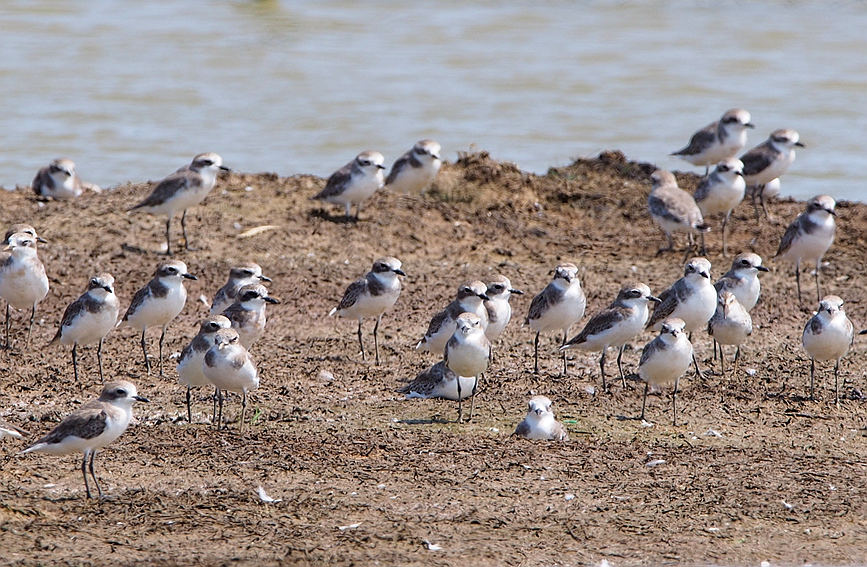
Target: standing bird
[
  {"x": 371, "y": 296},
  {"x": 692, "y": 299},
  {"x": 190, "y": 372},
  {"x": 731, "y": 324},
  {"x": 827, "y": 336},
  {"x": 91, "y": 427},
  {"x": 614, "y": 326},
  {"x": 239, "y": 276},
  {"x": 229, "y": 367},
  {"x": 809, "y": 236},
  {"x": 414, "y": 171},
  {"x": 721, "y": 192},
  {"x": 470, "y": 299},
  {"x": 540, "y": 422},
  {"x": 499, "y": 310},
  {"x": 673, "y": 209},
  {"x": 468, "y": 353},
  {"x": 664, "y": 360},
  {"x": 768, "y": 161},
  {"x": 181, "y": 190},
  {"x": 89, "y": 318},
  {"x": 23, "y": 282},
  {"x": 247, "y": 314},
  {"x": 58, "y": 180},
  {"x": 157, "y": 303},
  {"x": 743, "y": 279},
  {"x": 354, "y": 183},
  {"x": 718, "y": 141},
  {"x": 559, "y": 306}
]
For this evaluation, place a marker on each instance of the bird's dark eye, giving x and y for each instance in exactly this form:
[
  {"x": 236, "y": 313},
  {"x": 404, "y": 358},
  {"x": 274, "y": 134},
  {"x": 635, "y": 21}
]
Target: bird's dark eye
[{"x": 120, "y": 392}]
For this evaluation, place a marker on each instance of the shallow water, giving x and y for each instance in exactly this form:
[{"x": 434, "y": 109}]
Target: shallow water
[{"x": 301, "y": 87}]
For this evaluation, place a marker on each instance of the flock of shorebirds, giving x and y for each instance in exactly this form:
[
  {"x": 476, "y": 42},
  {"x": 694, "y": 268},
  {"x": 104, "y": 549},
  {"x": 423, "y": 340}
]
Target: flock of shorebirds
[{"x": 462, "y": 335}]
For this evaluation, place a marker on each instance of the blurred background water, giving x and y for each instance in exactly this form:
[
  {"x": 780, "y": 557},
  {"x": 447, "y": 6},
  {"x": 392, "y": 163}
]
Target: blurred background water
[{"x": 132, "y": 90}]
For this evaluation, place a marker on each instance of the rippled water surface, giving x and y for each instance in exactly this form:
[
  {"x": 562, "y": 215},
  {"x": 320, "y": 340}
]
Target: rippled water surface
[{"x": 131, "y": 90}]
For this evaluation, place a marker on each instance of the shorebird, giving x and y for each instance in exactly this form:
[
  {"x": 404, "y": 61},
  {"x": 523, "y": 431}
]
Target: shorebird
[
  {"x": 828, "y": 336},
  {"x": 439, "y": 381},
  {"x": 181, "y": 190},
  {"x": 499, "y": 291},
  {"x": 239, "y": 276},
  {"x": 809, "y": 236},
  {"x": 23, "y": 282},
  {"x": 673, "y": 209},
  {"x": 540, "y": 422},
  {"x": 731, "y": 324},
  {"x": 247, "y": 314},
  {"x": 743, "y": 279},
  {"x": 354, "y": 183},
  {"x": 718, "y": 141},
  {"x": 664, "y": 360},
  {"x": 768, "y": 161},
  {"x": 616, "y": 325},
  {"x": 470, "y": 298},
  {"x": 190, "y": 372},
  {"x": 91, "y": 427},
  {"x": 58, "y": 180},
  {"x": 721, "y": 192},
  {"x": 89, "y": 318},
  {"x": 26, "y": 229},
  {"x": 229, "y": 367},
  {"x": 468, "y": 353},
  {"x": 371, "y": 296},
  {"x": 692, "y": 299},
  {"x": 559, "y": 306},
  {"x": 158, "y": 303},
  {"x": 414, "y": 171}
]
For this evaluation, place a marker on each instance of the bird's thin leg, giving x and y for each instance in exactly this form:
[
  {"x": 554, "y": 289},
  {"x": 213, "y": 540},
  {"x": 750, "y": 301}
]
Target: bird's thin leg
[
  {"x": 361, "y": 342},
  {"x": 737, "y": 360},
  {"x": 818, "y": 291},
  {"x": 706, "y": 170},
  {"x": 7, "y": 325},
  {"x": 214, "y": 415},
  {"x": 243, "y": 410},
  {"x": 674, "y": 404},
  {"x": 703, "y": 250},
  {"x": 812, "y": 378},
  {"x": 753, "y": 194},
  {"x": 376, "y": 339},
  {"x": 620, "y": 365},
  {"x": 144, "y": 350},
  {"x": 460, "y": 406},
  {"x": 99, "y": 359},
  {"x": 473, "y": 395},
  {"x": 836, "y": 383},
  {"x": 798, "y": 281},
  {"x": 33, "y": 316},
  {"x": 722, "y": 360},
  {"x": 602, "y": 369},
  {"x": 184, "y": 230},
  {"x": 565, "y": 363},
  {"x": 698, "y": 373},
  {"x": 535, "y": 344},
  {"x": 84, "y": 474},
  {"x": 644, "y": 400},
  {"x": 725, "y": 222},
  {"x": 220, "y": 418},
  {"x": 189, "y": 409},
  {"x": 169, "y": 236},
  {"x": 714, "y": 350},
  {"x": 162, "y": 339},
  {"x": 762, "y": 201},
  {"x": 75, "y": 360},
  {"x": 93, "y": 474}
]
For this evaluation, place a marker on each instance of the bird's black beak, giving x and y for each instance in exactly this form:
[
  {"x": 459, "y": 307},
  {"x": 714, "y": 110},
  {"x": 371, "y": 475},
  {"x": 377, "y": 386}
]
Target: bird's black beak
[
  {"x": 750, "y": 125},
  {"x": 42, "y": 240},
  {"x": 484, "y": 296},
  {"x": 864, "y": 332},
  {"x": 271, "y": 299},
  {"x": 107, "y": 288},
  {"x": 763, "y": 269},
  {"x": 739, "y": 173},
  {"x": 434, "y": 156},
  {"x": 654, "y": 299},
  {"x": 224, "y": 168},
  {"x": 399, "y": 272},
  {"x": 265, "y": 279},
  {"x": 190, "y": 276},
  {"x": 830, "y": 212},
  {"x": 800, "y": 145},
  {"x": 380, "y": 166},
  {"x": 516, "y": 291},
  {"x": 140, "y": 398}
]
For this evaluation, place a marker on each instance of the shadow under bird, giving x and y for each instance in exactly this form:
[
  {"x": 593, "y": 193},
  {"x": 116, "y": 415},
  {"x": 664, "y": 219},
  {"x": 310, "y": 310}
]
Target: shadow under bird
[
  {"x": 239, "y": 276},
  {"x": 828, "y": 335},
  {"x": 809, "y": 237},
  {"x": 354, "y": 183},
  {"x": 718, "y": 141},
  {"x": 23, "y": 282},
  {"x": 371, "y": 296},
  {"x": 181, "y": 190},
  {"x": 91, "y": 427},
  {"x": 158, "y": 303},
  {"x": 90, "y": 318},
  {"x": 557, "y": 307}
]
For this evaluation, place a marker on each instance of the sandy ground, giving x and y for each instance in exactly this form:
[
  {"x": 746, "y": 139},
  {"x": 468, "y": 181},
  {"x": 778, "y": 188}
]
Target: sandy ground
[{"x": 756, "y": 471}]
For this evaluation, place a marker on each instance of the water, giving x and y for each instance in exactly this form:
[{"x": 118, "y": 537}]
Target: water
[{"x": 131, "y": 90}]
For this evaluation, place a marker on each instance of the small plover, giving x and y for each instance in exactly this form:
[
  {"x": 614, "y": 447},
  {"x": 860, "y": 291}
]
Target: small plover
[
  {"x": 23, "y": 282},
  {"x": 470, "y": 298},
  {"x": 229, "y": 367},
  {"x": 664, "y": 360},
  {"x": 89, "y": 318},
  {"x": 499, "y": 309},
  {"x": 540, "y": 423},
  {"x": 439, "y": 381},
  {"x": 158, "y": 303},
  {"x": 371, "y": 296},
  {"x": 731, "y": 324},
  {"x": 414, "y": 171},
  {"x": 239, "y": 276},
  {"x": 673, "y": 209},
  {"x": 190, "y": 373},
  {"x": 743, "y": 279},
  {"x": 619, "y": 323},
  {"x": 720, "y": 192},
  {"x": 768, "y": 161},
  {"x": 468, "y": 353},
  {"x": 181, "y": 190},
  {"x": 247, "y": 314},
  {"x": 58, "y": 180},
  {"x": 91, "y": 427},
  {"x": 809, "y": 237},
  {"x": 828, "y": 336},
  {"x": 354, "y": 183},
  {"x": 718, "y": 140},
  {"x": 559, "y": 306},
  {"x": 26, "y": 229}
]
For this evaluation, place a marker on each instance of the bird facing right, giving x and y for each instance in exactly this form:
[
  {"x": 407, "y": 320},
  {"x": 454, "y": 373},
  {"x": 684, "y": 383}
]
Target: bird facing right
[
  {"x": 719, "y": 193},
  {"x": 718, "y": 141},
  {"x": 414, "y": 171},
  {"x": 768, "y": 161},
  {"x": 828, "y": 335},
  {"x": 239, "y": 276},
  {"x": 23, "y": 282},
  {"x": 354, "y": 183}
]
